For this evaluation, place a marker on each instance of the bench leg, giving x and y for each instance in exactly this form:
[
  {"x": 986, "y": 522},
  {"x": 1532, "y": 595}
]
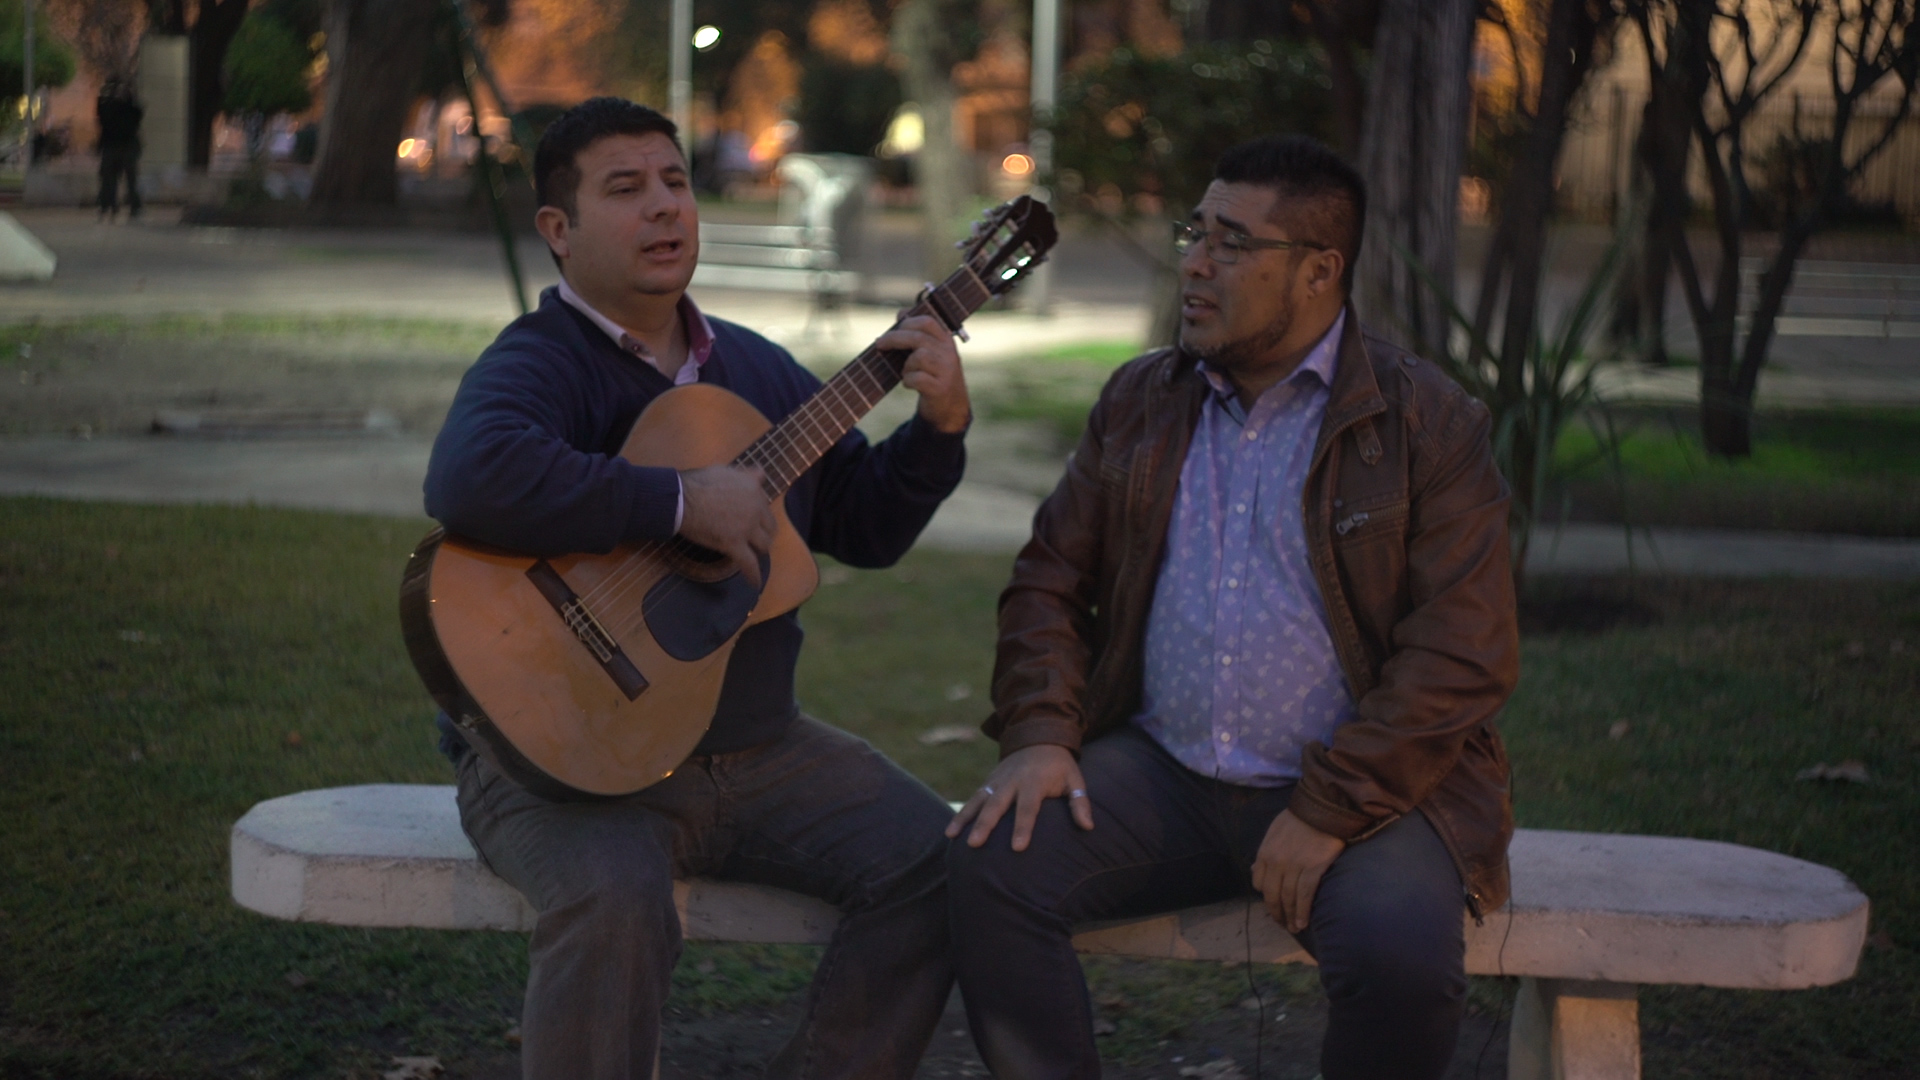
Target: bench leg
[{"x": 1567, "y": 1029}]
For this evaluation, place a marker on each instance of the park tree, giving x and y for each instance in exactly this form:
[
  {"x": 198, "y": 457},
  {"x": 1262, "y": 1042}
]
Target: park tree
[
  {"x": 931, "y": 36},
  {"x": 849, "y": 92},
  {"x": 1533, "y": 384},
  {"x": 104, "y": 33},
  {"x": 1136, "y": 130},
  {"x": 266, "y": 75},
  {"x": 1345, "y": 29},
  {"x": 1577, "y": 32},
  {"x": 1714, "y": 65},
  {"x": 381, "y": 56},
  {"x": 375, "y": 49},
  {"x": 52, "y": 57},
  {"x": 1412, "y": 144}
]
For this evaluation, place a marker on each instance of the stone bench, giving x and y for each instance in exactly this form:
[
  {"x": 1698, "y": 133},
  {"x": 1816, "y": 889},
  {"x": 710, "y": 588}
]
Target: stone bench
[{"x": 1592, "y": 917}]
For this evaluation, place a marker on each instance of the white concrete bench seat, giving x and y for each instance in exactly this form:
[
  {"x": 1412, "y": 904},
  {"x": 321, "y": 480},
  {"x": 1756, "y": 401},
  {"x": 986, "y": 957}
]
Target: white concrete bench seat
[{"x": 1592, "y": 915}]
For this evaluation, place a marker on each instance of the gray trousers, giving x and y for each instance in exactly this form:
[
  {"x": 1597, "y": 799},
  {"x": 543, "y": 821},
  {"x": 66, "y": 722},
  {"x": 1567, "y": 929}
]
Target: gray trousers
[
  {"x": 1387, "y": 926},
  {"x": 816, "y": 811}
]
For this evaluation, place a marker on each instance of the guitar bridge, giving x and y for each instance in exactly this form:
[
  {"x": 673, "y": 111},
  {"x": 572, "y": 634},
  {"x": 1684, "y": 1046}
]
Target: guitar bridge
[
  {"x": 574, "y": 612},
  {"x": 589, "y": 631}
]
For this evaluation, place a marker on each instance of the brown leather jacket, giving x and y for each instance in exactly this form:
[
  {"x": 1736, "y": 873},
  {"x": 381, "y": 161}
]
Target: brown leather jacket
[{"x": 1406, "y": 518}]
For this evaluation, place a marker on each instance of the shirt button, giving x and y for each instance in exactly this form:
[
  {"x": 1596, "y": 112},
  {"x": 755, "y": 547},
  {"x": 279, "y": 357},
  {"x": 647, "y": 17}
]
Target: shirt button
[
  {"x": 1252, "y": 435},
  {"x": 1233, "y": 583},
  {"x": 1338, "y": 503},
  {"x": 1226, "y": 660},
  {"x": 1226, "y": 737},
  {"x": 1239, "y": 508}
]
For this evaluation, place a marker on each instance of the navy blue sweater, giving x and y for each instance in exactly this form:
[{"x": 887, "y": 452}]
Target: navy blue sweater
[{"x": 529, "y": 460}]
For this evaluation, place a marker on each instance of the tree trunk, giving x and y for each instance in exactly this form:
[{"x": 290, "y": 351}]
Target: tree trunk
[
  {"x": 375, "y": 51},
  {"x": 167, "y": 17},
  {"x": 1338, "y": 27},
  {"x": 213, "y": 31},
  {"x": 1411, "y": 147},
  {"x": 1726, "y": 421},
  {"x": 1529, "y": 202},
  {"x": 1514, "y": 263},
  {"x": 1727, "y": 392},
  {"x": 1667, "y": 143},
  {"x": 922, "y": 33},
  {"x": 1639, "y": 320}
]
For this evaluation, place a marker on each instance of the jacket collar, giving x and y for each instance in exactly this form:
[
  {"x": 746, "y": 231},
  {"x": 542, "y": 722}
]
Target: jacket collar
[
  {"x": 1355, "y": 391},
  {"x": 1355, "y": 394}
]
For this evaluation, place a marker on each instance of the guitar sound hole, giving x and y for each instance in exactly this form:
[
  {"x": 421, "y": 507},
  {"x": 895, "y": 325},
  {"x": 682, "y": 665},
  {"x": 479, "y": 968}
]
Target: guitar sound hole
[{"x": 698, "y": 563}]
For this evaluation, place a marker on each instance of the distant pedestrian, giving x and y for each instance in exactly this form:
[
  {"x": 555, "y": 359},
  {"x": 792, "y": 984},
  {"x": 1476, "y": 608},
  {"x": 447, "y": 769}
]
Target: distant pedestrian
[{"x": 119, "y": 115}]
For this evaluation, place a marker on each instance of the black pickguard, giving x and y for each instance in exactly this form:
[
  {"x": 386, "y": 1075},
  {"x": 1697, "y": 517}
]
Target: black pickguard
[{"x": 690, "y": 619}]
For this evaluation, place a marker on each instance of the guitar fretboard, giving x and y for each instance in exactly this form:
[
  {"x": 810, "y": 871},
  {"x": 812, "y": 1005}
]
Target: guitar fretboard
[{"x": 792, "y": 446}]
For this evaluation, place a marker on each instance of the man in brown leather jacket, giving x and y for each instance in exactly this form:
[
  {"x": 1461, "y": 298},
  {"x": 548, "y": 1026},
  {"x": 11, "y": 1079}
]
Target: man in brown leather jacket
[{"x": 1258, "y": 640}]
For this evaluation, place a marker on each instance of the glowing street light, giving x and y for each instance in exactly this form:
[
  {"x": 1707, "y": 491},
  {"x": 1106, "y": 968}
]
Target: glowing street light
[{"x": 706, "y": 38}]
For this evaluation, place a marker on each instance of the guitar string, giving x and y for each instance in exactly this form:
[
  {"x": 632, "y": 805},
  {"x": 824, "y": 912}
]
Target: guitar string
[
  {"x": 816, "y": 414},
  {"x": 810, "y": 415},
  {"x": 780, "y": 464},
  {"x": 781, "y": 475},
  {"x": 609, "y": 595}
]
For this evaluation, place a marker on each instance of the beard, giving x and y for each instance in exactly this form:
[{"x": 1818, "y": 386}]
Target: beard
[{"x": 1229, "y": 356}]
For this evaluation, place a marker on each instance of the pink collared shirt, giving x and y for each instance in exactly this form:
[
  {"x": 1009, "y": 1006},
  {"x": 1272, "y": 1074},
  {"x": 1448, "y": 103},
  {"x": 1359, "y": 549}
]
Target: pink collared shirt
[
  {"x": 699, "y": 334},
  {"x": 699, "y": 347}
]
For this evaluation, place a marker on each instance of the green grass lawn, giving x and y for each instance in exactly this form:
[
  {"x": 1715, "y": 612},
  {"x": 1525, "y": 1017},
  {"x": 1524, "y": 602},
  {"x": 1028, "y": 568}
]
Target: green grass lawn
[
  {"x": 167, "y": 668},
  {"x": 1830, "y": 470}
]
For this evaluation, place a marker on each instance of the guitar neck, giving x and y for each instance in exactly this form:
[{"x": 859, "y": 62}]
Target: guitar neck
[{"x": 792, "y": 446}]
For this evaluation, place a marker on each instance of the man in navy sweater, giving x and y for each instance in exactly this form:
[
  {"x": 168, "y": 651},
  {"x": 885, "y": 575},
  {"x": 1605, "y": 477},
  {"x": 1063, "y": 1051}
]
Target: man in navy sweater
[{"x": 528, "y": 459}]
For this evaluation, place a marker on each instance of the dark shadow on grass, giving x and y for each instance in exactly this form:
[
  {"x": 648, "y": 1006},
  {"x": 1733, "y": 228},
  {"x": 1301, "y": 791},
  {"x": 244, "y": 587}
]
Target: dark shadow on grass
[{"x": 1575, "y": 605}]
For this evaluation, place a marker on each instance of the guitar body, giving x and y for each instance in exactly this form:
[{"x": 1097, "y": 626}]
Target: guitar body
[{"x": 607, "y": 711}]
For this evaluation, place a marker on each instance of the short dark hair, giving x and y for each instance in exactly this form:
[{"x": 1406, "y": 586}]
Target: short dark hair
[
  {"x": 1307, "y": 169},
  {"x": 556, "y": 164}
]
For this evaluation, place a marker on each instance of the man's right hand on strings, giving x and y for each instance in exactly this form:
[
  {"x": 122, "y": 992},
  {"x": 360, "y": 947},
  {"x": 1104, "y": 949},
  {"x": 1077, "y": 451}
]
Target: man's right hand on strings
[{"x": 727, "y": 511}]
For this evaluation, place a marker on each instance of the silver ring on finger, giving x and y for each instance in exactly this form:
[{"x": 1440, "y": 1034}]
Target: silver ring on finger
[
  {"x": 986, "y": 789},
  {"x": 1077, "y": 793}
]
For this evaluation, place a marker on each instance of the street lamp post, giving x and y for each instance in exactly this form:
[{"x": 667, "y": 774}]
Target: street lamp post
[
  {"x": 26, "y": 58},
  {"x": 680, "y": 71},
  {"x": 1043, "y": 84}
]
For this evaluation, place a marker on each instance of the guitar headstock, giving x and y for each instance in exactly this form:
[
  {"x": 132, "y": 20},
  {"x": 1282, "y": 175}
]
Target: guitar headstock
[{"x": 1009, "y": 241}]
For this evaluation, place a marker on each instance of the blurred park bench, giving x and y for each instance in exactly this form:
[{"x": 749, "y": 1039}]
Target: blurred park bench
[
  {"x": 822, "y": 207},
  {"x": 774, "y": 258},
  {"x": 1842, "y": 299}
]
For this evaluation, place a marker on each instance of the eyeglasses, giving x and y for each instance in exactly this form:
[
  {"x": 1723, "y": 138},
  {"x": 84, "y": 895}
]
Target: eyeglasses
[{"x": 1227, "y": 245}]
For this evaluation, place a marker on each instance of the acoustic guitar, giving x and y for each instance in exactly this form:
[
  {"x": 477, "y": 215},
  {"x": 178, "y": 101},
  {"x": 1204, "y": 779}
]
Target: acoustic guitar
[{"x": 596, "y": 675}]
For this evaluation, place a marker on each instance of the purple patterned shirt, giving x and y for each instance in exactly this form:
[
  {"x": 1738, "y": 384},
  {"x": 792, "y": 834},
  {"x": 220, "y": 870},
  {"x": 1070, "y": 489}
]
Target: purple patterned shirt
[{"x": 1241, "y": 672}]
